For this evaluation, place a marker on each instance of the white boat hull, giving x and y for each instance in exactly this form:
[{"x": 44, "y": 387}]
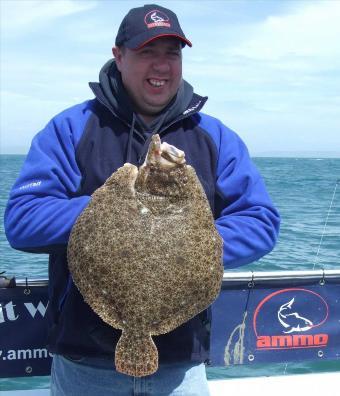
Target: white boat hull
[{"x": 309, "y": 384}]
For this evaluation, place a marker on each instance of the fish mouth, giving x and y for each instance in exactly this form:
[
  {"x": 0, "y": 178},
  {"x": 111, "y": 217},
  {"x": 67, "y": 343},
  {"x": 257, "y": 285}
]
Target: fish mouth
[
  {"x": 172, "y": 154},
  {"x": 163, "y": 154}
]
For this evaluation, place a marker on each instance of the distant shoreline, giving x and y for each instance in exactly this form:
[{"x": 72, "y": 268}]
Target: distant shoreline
[{"x": 297, "y": 154}]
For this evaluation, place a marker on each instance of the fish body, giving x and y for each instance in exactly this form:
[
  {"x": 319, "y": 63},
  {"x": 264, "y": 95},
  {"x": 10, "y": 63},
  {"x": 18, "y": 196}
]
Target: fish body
[{"x": 148, "y": 242}]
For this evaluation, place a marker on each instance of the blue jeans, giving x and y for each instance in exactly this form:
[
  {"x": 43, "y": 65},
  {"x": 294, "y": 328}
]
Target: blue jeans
[{"x": 96, "y": 377}]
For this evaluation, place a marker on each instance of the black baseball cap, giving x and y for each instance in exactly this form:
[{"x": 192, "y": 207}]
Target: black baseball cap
[{"x": 144, "y": 24}]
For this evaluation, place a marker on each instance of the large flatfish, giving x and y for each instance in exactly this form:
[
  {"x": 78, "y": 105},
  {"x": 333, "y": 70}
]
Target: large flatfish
[{"x": 145, "y": 253}]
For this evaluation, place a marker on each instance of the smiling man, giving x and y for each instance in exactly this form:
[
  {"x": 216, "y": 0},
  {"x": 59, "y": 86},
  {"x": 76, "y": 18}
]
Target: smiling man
[
  {"x": 140, "y": 92},
  {"x": 151, "y": 74}
]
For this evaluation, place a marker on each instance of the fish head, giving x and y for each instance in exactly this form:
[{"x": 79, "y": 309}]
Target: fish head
[{"x": 164, "y": 172}]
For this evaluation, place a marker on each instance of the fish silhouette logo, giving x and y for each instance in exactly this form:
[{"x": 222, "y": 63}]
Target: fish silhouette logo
[
  {"x": 292, "y": 321},
  {"x": 157, "y": 18}
]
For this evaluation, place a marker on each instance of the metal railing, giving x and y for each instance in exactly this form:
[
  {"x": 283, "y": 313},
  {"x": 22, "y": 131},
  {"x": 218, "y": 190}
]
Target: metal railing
[{"x": 244, "y": 276}]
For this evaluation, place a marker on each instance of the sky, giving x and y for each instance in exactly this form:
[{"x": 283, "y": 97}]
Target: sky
[{"x": 271, "y": 69}]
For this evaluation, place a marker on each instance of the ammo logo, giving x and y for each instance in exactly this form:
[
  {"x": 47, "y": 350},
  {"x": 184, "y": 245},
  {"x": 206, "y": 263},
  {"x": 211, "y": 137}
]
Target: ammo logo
[{"x": 294, "y": 317}]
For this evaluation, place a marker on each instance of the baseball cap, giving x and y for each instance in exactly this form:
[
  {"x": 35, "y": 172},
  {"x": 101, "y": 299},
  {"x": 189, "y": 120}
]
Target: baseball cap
[{"x": 144, "y": 24}]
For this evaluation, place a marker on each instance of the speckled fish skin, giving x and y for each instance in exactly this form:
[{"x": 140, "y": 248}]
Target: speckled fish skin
[{"x": 148, "y": 244}]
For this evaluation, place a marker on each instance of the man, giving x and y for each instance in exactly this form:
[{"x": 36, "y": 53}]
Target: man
[{"x": 141, "y": 92}]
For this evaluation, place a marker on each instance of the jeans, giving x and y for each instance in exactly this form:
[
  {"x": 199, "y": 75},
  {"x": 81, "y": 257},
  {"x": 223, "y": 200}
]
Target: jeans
[{"x": 96, "y": 377}]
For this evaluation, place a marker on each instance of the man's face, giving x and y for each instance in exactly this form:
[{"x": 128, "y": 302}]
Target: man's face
[{"x": 152, "y": 74}]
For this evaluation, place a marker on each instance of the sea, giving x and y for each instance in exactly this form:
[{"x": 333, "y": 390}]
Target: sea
[{"x": 306, "y": 192}]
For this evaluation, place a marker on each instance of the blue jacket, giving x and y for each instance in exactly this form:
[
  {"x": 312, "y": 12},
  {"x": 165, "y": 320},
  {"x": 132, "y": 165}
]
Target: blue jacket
[{"x": 74, "y": 155}]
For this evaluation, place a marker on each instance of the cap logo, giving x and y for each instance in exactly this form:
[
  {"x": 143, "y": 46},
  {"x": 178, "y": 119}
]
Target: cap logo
[{"x": 156, "y": 18}]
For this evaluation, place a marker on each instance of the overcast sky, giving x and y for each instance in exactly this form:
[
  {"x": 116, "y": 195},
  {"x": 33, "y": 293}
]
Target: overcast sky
[{"x": 271, "y": 69}]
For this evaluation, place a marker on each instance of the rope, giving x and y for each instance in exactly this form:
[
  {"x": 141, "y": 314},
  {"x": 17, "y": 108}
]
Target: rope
[
  {"x": 234, "y": 353},
  {"x": 325, "y": 225}
]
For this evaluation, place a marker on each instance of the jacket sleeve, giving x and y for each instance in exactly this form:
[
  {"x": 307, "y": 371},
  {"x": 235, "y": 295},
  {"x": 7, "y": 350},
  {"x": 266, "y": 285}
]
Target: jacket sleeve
[
  {"x": 245, "y": 215},
  {"x": 43, "y": 205}
]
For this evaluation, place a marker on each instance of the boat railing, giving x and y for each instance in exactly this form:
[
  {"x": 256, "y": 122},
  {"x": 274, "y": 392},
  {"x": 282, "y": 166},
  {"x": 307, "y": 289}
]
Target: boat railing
[{"x": 230, "y": 277}]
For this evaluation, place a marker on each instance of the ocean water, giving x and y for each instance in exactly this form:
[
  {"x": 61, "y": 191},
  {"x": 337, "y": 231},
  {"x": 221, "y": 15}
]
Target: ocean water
[{"x": 305, "y": 191}]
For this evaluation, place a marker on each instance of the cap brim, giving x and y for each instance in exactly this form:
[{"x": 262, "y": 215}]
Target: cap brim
[
  {"x": 183, "y": 39},
  {"x": 137, "y": 44}
]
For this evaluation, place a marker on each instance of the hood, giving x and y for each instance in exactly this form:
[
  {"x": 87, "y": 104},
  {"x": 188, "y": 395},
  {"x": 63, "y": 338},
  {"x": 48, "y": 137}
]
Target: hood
[{"x": 111, "y": 92}]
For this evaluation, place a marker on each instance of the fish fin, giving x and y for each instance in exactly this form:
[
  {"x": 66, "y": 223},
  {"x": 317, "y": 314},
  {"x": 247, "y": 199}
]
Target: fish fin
[
  {"x": 124, "y": 176},
  {"x": 136, "y": 354}
]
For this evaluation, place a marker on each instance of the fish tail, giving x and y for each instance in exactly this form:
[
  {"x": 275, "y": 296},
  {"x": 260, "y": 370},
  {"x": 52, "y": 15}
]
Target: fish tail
[{"x": 136, "y": 354}]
